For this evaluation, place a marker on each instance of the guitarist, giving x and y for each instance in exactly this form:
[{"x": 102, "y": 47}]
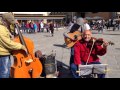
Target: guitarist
[
  {"x": 78, "y": 26},
  {"x": 7, "y": 44},
  {"x": 74, "y": 28},
  {"x": 82, "y": 51}
]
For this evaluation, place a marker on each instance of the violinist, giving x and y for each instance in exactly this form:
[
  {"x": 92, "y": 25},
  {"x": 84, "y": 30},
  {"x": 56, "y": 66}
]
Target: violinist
[
  {"x": 82, "y": 50},
  {"x": 7, "y": 44}
]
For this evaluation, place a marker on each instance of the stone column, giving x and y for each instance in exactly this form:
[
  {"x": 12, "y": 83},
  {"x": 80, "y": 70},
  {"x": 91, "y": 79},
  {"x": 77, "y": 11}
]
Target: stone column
[{"x": 45, "y": 20}]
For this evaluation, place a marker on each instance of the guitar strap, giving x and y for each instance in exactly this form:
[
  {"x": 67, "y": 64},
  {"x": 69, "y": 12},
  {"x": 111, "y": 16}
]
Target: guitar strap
[{"x": 81, "y": 28}]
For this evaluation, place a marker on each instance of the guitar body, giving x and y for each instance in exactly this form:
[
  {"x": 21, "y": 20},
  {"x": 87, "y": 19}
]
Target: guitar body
[
  {"x": 21, "y": 68},
  {"x": 69, "y": 42}
]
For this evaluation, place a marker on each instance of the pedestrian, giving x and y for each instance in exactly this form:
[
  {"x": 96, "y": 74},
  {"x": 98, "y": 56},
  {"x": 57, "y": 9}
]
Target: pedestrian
[{"x": 51, "y": 28}]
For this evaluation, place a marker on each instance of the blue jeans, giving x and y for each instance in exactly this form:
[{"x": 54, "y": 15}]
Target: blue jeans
[
  {"x": 5, "y": 64},
  {"x": 74, "y": 68},
  {"x": 71, "y": 56}
]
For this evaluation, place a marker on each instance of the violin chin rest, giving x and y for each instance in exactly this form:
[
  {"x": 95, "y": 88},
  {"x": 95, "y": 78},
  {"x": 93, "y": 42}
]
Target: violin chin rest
[{"x": 29, "y": 61}]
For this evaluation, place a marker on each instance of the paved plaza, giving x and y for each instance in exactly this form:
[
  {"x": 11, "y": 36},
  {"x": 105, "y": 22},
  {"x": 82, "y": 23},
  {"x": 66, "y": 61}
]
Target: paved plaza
[{"x": 46, "y": 43}]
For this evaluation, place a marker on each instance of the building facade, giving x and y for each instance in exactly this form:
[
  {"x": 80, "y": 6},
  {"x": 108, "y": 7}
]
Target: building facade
[
  {"x": 35, "y": 16},
  {"x": 69, "y": 16},
  {"x": 104, "y": 15}
]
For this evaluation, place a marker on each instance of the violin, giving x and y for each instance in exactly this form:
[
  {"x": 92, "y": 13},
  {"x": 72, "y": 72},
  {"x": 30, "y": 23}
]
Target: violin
[{"x": 98, "y": 42}]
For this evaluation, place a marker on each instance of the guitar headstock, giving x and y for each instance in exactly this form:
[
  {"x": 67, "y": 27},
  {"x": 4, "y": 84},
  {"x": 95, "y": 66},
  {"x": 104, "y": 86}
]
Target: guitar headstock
[{"x": 111, "y": 43}]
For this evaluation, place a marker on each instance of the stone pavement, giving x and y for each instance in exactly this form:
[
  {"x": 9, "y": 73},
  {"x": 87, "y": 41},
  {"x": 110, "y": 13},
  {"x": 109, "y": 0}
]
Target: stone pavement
[{"x": 46, "y": 43}]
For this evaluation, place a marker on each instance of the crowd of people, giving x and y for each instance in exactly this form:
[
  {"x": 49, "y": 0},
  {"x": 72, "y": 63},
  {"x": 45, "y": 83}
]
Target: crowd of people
[
  {"x": 36, "y": 26},
  {"x": 102, "y": 24}
]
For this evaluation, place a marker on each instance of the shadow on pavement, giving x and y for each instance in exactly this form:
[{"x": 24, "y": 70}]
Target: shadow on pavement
[
  {"x": 111, "y": 34},
  {"x": 47, "y": 35},
  {"x": 59, "y": 45},
  {"x": 117, "y": 48},
  {"x": 63, "y": 69},
  {"x": 95, "y": 33}
]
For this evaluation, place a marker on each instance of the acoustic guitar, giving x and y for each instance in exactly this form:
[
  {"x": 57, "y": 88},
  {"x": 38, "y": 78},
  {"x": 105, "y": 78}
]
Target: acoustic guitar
[{"x": 73, "y": 38}]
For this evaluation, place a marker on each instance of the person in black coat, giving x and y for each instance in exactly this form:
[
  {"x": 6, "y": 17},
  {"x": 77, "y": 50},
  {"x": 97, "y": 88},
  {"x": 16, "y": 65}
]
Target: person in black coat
[{"x": 51, "y": 28}]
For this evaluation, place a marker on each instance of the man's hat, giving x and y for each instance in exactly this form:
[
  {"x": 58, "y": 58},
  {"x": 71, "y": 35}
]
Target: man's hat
[
  {"x": 80, "y": 21},
  {"x": 9, "y": 17}
]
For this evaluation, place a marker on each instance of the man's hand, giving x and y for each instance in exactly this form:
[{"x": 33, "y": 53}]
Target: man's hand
[
  {"x": 78, "y": 71},
  {"x": 24, "y": 48},
  {"x": 79, "y": 65},
  {"x": 105, "y": 44}
]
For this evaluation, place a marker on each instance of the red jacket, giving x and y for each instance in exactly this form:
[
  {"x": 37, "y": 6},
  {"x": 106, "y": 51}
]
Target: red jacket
[{"x": 81, "y": 52}]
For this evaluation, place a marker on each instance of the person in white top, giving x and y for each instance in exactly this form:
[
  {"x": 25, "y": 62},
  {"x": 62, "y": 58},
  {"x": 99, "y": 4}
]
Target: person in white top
[
  {"x": 70, "y": 25},
  {"x": 86, "y": 25},
  {"x": 42, "y": 26}
]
